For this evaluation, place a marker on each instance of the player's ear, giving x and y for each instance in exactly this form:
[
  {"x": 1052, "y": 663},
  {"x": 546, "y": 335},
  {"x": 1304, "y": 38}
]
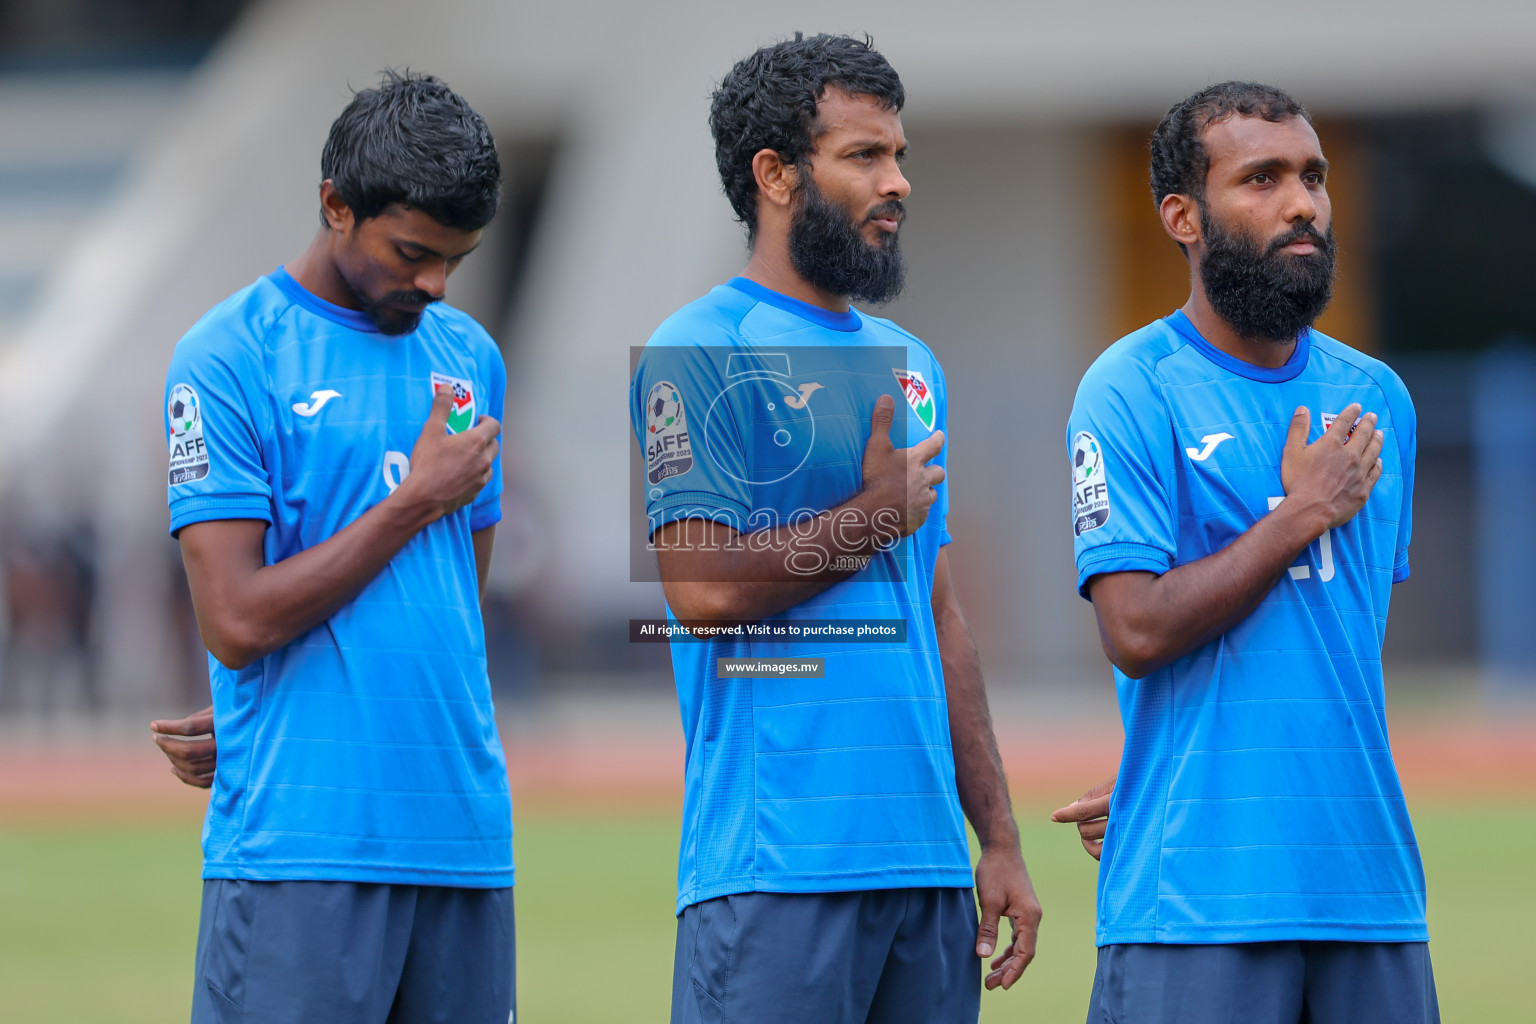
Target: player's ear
[
  {"x": 776, "y": 179},
  {"x": 338, "y": 215},
  {"x": 1181, "y": 218}
]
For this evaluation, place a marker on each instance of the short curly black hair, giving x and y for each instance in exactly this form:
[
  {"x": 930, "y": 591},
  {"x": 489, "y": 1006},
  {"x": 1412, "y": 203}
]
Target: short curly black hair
[
  {"x": 769, "y": 101},
  {"x": 1179, "y": 159},
  {"x": 412, "y": 140}
]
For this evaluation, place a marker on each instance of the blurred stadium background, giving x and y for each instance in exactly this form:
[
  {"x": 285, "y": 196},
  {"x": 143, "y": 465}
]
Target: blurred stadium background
[{"x": 159, "y": 154}]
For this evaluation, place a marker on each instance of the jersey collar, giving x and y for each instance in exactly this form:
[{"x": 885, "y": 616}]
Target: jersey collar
[
  {"x": 1292, "y": 368},
  {"x": 849, "y": 321},
  {"x": 353, "y": 318}
]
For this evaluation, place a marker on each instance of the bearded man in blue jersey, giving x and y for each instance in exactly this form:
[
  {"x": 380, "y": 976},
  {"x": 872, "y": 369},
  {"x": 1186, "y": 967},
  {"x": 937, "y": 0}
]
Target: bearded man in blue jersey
[
  {"x": 824, "y": 873},
  {"x": 334, "y": 484},
  {"x": 1242, "y": 489}
]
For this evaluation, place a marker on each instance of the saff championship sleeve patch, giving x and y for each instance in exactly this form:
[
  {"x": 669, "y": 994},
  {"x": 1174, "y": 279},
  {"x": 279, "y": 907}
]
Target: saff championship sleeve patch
[
  {"x": 1090, "y": 484},
  {"x": 668, "y": 451},
  {"x": 189, "y": 452}
]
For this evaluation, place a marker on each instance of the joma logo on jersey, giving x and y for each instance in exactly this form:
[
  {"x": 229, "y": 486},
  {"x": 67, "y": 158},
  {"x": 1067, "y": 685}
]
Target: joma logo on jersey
[
  {"x": 318, "y": 400},
  {"x": 1210, "y": 441},
  {"x": 806, "y": 391}
]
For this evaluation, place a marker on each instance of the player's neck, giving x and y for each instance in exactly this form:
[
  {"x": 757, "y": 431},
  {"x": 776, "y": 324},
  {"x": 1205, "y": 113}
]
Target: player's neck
[
  {"x": 771, "y": 267},
  {"x": 1258, "y": 351},
  {"x": 316, "y": 273}
]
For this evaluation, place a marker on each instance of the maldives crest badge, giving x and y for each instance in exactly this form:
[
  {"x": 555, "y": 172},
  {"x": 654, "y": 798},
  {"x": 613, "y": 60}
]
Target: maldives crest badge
[
  {"x": 919, "y": 395},
  {"x": 461, "y": 415}
]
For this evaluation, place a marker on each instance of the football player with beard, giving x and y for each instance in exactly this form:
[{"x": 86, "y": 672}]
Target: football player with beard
[
  {"x": 1242, "y": 490},
  {"x": 823, "y": 872}
]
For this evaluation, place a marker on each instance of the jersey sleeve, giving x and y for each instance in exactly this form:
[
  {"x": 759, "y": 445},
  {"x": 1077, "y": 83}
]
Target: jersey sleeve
[
  {"x": 941, "y": 502},
  {"x": 1120, "y": 447},
  {"x": 688, "y": 475},
  {"x": 485, "y": 510},
  {"x": 1405, "y": 420},
  {"x": 213, "y": 412}
]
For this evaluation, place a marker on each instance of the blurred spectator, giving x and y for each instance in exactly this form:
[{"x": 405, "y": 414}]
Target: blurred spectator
[
  {"x": 189, "y": 663},
  {"x": 50, "y": 586}
]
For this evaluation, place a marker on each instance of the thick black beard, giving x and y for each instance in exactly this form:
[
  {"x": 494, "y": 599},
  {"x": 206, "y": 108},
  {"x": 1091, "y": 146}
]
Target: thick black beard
[
  {"x": 828, "y": 250},
  {"x": 1263, "y": 293},
  {"x": 388, "y": 319}
]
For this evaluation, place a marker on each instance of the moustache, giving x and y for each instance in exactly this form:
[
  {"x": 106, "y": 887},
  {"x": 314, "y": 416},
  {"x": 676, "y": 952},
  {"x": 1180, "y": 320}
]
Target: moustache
[
  {"x": 416, "y": 298},
  {"x": 1300, "y": 233},
  {"x": 890, "y": 210}
]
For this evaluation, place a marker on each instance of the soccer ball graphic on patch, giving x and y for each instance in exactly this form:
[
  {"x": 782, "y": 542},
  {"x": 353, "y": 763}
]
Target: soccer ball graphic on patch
[
  {"x": 183, "y": 410},
  {"x": 664, "y": 409},
  {"x": 1087, "y": 460}
]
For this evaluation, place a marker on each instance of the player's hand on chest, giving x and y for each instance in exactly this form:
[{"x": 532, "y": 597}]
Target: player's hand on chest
[
  {"x": 1232, "y": 468},
  {"x": 803, "y": 437},
  {"x": 347, "y": 437}
]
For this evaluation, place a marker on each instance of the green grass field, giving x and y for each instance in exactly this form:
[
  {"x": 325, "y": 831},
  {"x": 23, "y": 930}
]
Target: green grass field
[{"x": 98, "y": 923}]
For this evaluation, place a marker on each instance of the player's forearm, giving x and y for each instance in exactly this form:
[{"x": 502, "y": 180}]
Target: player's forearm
[
  {"x": 979, "y": 776},
  {"x": 484, "y": 540},
  {"x": 737, "y": 601},
  {"x": 711, "y": 572},
  {"x": 1147, "y": 622},
  {"x": 247, "y": 618}
]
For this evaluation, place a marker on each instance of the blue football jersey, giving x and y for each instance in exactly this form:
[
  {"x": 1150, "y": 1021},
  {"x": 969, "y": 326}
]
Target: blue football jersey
[
  {"x": 364, "y": 750},
  {"x": 1257, "y": 797},
  {"x": 753, "y": 409}
]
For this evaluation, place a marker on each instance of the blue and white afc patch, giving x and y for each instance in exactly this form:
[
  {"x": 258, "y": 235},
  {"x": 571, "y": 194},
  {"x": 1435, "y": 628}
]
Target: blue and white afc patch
[
  {"x": 668, "y": 451},
  {"x": 1090, "y": 484}
]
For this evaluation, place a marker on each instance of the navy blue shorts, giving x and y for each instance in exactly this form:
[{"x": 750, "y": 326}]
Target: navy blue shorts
[
  {"x": 883, "y": 956},
  {"x": 354, "y": 953},
  {"x": 1265, "y": 983}
]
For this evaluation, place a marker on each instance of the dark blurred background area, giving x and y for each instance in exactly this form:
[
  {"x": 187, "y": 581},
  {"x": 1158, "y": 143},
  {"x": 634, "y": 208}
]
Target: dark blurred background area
[{"x": 44, "y": 34}]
